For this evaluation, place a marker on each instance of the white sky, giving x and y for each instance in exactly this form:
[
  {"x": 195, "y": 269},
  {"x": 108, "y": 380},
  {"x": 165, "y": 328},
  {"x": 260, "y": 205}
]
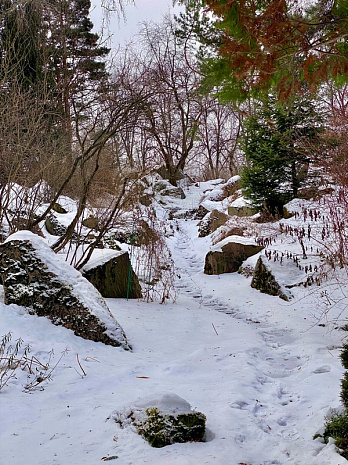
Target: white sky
[{"x": 143, "y": 10}]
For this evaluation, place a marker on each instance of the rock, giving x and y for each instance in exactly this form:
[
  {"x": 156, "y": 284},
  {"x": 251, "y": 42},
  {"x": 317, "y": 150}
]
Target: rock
[
  {"x": 228, "y": 255},
  {"x": 91, "y": 222},
  {"x": 211, "y": 223},
  {"x": 54, "y": 227},
  {"x": 241, "y": 211},
  {"x": 111, "y": 273},
  {"x": 176, "y": 192},
  {"x": 166, "y": 189},
  {"x": 35, "y": 277},
  {"x": 169, "y": 174},
  {"x": 146, "y": 200},
  {"x": 58, "y": 208},
  {"x": 265, "y": 281},
  {"x": 200, "y": 213},
  {"x": 165, "y": 421}
]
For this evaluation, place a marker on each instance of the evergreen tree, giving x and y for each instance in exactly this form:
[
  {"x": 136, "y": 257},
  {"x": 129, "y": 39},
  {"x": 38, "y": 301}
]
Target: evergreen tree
[
  {"x": 75, "y": 59},
  {"x": 274, "y": 145},
  {"x": 21, "y": 44},
  {"x": 262, "y": 44}
]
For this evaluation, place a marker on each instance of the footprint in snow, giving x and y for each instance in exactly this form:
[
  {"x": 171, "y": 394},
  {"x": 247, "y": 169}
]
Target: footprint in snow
[{"x": 322, "y": 369}]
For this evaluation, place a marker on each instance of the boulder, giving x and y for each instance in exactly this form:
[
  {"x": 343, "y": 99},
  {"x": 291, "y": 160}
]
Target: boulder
[
  {"x": 172, "y": 191},
  {"x": 166, "y": 189},
  {"x": 241, "y": 210},
  {"x": 228, "y": 255},
  {"x": 35, "y": 277},
  {"x": 111, "y": 273},
  {"x": 54, "y": 227},
  {"x": 265, "y": 281},
  {"x": 59, "y": 209},
  {"x": 92, "y": 222},
  {"x": 165, "y": 420},
  {"x": 211, "y": 223}
]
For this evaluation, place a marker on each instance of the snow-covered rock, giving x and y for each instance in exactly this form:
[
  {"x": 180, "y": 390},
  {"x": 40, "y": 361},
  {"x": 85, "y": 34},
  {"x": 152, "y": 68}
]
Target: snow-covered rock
[
  {"x": 110, "y": 272},
  {"x": 34, "y": 277},
  {"x": 265, "y": 280},
  {"x": 228, "y": 255},
  {"x": 164, "y": 420}
]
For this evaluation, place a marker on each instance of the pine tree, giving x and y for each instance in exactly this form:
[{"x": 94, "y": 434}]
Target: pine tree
[
  {"x": 261, "y": 44},
  {"x": 76, "y": 60},
  {"x": 274, "y": 145}
]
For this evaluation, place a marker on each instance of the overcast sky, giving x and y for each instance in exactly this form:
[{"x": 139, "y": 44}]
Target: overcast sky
[{"x": 143, "y": 10}]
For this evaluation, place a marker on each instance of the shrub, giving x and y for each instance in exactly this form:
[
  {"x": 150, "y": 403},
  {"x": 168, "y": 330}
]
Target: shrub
[
  {"x": 344, "y": 356},
  {"x": 336, "y": 427},
  {"x": 344, "y": 389}
]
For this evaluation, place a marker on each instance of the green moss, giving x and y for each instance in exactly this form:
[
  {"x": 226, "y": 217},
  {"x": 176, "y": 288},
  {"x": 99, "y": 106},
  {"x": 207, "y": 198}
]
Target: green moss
[{"x": 163, "y": 429}]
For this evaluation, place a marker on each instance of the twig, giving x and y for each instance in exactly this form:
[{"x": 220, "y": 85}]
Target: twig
[
  {"x": 215, "y": 329},
  {"x": 78, "y": 361}
]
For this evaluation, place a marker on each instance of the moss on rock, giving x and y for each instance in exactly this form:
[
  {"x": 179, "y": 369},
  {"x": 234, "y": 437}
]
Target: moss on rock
[{"x": 162, "y": 429}]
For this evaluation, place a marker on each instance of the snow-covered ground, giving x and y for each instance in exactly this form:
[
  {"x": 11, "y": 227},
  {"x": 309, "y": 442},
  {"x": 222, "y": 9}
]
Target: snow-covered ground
[{"x": 262, "y": 370}]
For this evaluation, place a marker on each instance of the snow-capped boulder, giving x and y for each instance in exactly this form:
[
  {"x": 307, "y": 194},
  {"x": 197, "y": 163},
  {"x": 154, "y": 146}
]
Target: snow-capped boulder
[
  {"x": 35, "y": 277},
  {"x": 228, "y": 255},
  {"x": 164, "y": 420},
  {"x": 265, "y": 281},
  {"x": 112, "y": 274},
  {"x": 241, "y": 207}
]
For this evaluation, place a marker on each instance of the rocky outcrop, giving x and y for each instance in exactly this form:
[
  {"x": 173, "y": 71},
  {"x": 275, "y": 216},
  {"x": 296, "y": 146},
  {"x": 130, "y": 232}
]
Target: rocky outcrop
[
  {"x": 211, "y": 223},
  {"x": 166, "y": 189},
  {"x": 35, "y": 278},
  {"x": 228, "y": 255},
  {"x": 265, "y": 281},
  {"x": 112, "y": 274}
]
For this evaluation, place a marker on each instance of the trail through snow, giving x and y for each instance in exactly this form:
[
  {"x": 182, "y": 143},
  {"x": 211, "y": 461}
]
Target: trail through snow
[{"x": 262, "y": 370}]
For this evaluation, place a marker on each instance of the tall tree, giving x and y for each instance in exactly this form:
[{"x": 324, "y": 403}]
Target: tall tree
[
  {"x": 76, "y": 60},
  {"x": 275, "y": 142},
  {"x": 281, "y": 43},
  {"x": 22, "y": 40}
]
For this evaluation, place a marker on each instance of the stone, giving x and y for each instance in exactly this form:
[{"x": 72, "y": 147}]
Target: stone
[
  {"x": 166, "y": 189},
  {"x": 58, "y": 208},
  {"x": 111, "y": 274},
  {"x": 92, "y": 222},
  {"x": 228, "y": 255},
  {"x": 176, "y": 192},
  {"x": 53, "y": 226},
  {"x": 265, "y": 281},
  {"x": 241, "y": 211},
  {"x": 35, "y": 277},
  {"x": 165, "y": 420},
  {"x": 211, "y": 223}
]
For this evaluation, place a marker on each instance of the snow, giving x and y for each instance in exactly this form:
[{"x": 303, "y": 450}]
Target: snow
[
  {"x": 83, "y": 289},
  {"x": 262, "y": 370},
  {"x": 235, "y": 239},
  {"x": 102, "y": 256}
]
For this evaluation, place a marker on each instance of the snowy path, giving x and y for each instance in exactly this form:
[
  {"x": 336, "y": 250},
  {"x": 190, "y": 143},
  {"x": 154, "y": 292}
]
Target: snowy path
[
  {"x": 277, "y": 405},
  {"x": 261, "y": 371}
]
